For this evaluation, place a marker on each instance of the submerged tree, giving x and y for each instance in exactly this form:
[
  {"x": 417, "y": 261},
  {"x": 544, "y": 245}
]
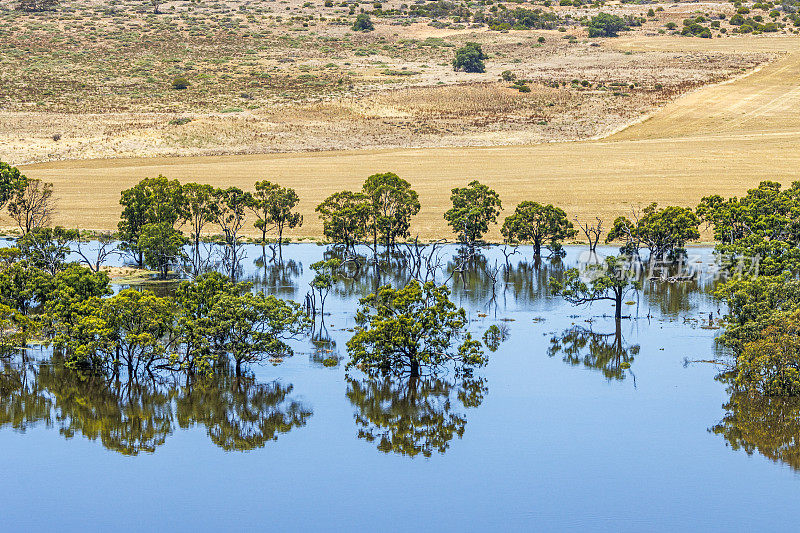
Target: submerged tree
[
  {"x": 394, "y": 202},
  {"x": 413, "y": 416},
  {"x": 345, "y": 217},
  {"x": 609, "y": 281},
  {"x": 539, "y": 225},
  {"x": 663, "y": 231},
  {"x": 273, "y": 206},
  {"x": 151, "y": 201},
  {"x": 252, "y": 327},
  {"x": 47, "y": 248},
  {"x": 324, "y": 279},
  {"x": 474, "y": 208},
  {"x": 162, "y": 245},
  {"x": 228, "y": 213},
  {"x": 408, "y": 330},
  {"x": 196, "y": 210}
]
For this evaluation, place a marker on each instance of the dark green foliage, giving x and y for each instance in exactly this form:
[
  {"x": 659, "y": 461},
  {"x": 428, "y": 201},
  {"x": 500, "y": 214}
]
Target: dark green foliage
[
  {"x": 474, "y": 208},
  {"x": 765, "y": 224},
  {"x": 151, "y": 201},
  {"x": 393, "y": 203},
  {"x": 180, "y": 83},
  {"x": 12, "y": 181},
  {"x": 404, "y": 331},
  {"x": 469, "y": 58},
  {"x": 663, "y": 231},
  {"x": 606, "y": 25},
  {"x": 228, "y": 213},
  {"x": 345, "y": 217},
  {"x": 273, "y": 205},
  {"x": 539, "y": 225},
  {"x": 162, "y": 245},
  {"x": 47, "y": 248},
  {"x": 609, "y": 281},
  {"x": 363, "y": 23}
]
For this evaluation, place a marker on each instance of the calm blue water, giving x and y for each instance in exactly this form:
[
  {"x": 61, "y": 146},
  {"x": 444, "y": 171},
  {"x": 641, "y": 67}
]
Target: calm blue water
[{"x": 555, "y": 443}]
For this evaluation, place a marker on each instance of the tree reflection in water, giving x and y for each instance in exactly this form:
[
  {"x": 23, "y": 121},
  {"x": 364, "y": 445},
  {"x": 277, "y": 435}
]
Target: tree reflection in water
[
  {"x": 416, "y": 415},
  {"x": 606, "y": 352},
  {"x": 240, "y": 414},
  {"x": 763, "y": 424},
  {"x": 136, "y": 416}
]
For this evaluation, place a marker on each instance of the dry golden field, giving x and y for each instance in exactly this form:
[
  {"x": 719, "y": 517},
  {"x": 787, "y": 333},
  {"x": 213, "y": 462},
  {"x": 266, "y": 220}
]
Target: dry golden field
[{"x": 721, "y": 139}]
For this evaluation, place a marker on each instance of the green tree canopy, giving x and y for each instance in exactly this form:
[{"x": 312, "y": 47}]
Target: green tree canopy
[
  {"x": 151, "y": 201},
  {"x": 345, "y": 217},
  {"x": 664, "y": 232},
  {"x": 415, "y": 328},
  {"x": 469, "y": 58},
  {"x": 606, "y": 25},
  {"x": 394, "y": 202},
  {"x": 538, "y": 224},
  {"x": 474, "y": 208},
  {"x": 12, "y": 181},
  {"x": 273, "y": 206},
  {"x": 363, "y": 23},
  {"x": 609, "y": 281}
]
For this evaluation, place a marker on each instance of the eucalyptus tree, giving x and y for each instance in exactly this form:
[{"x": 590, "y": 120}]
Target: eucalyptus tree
[
  {"x": 609, "y": 281},
  {"x": 408, "y": 330},
  {"x": 196, "y": 210},
  {"x": 22, "y": 286},
  {"x": 251, "y": 327},
  {"x": 345, "y": 217},
  {"x": 273, "y": 206},
  {"x": 663, "y": 231},
  {"x": 539, "y": 225},
  {"x": 324, "y": 280},
  {"x": 32, "y": 204},
  {"x": 162, "y": 246},
  {"x": 11, "y": 182},
  {"x": 151, "y": 201},
  {"x": 474, "y": 208},
  {"x": 47, "y": 248},
  {"x": 197, "y": 335},
  {"x": 393, "y": 203},
  {"x": 130, "y": 328},
  {"x": 229, "y": 213}
]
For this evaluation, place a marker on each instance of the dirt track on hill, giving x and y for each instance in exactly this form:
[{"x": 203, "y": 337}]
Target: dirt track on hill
[{"x": 721, "y": 139}]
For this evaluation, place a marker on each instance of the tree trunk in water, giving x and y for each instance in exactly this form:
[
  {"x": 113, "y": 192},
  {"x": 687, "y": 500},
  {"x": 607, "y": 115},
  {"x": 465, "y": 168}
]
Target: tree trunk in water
[
  {"x": 618, "y": 304},
  {"x": 414, "y": 368}
]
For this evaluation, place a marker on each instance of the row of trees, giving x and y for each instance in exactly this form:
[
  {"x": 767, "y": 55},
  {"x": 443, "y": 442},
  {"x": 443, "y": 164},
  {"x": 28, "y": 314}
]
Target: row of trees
[
  {"x": 762, "y": 229},
  {"x": 156, "y": 209}
]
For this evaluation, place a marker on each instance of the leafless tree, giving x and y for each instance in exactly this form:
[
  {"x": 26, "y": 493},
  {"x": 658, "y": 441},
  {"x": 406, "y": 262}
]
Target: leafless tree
[
  {"x": 592, "y": 230},
  {"x": 105, "y": 247}
]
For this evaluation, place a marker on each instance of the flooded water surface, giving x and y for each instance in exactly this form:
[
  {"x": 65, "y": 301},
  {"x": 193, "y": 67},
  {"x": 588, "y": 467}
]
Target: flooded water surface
[{"x": 577, "y": 422}]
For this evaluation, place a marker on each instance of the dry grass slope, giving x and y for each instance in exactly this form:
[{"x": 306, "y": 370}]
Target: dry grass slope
[{"x": 722, "y": 139}]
